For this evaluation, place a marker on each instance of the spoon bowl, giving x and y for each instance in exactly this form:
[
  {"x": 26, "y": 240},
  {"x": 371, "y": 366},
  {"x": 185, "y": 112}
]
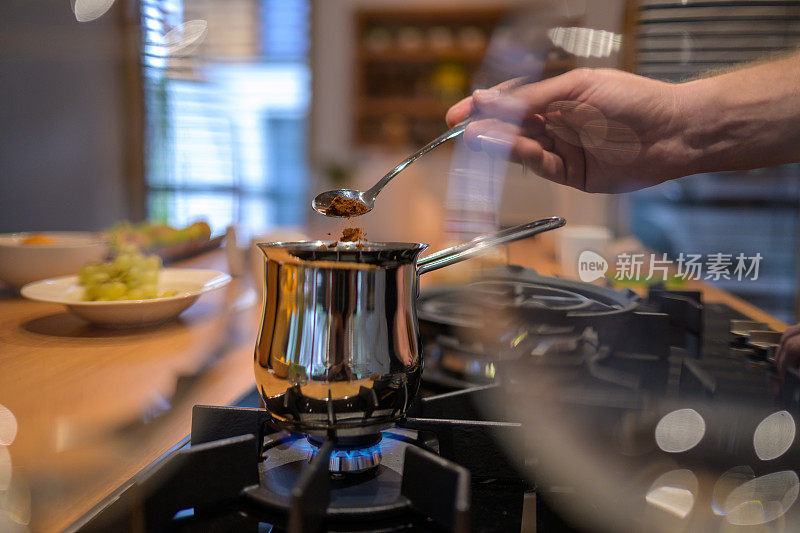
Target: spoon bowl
[
  {"x": 323, "y": 200},
  {"x": 367, "y": 198}
]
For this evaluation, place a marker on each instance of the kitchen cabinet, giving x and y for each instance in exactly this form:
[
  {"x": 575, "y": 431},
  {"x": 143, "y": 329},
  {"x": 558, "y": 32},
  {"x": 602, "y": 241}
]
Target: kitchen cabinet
[{"x": 411, "y": 65}]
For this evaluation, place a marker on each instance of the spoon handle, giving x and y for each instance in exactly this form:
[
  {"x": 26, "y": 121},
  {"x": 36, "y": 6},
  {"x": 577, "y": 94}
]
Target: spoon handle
[{"x": 453, "y": 132}]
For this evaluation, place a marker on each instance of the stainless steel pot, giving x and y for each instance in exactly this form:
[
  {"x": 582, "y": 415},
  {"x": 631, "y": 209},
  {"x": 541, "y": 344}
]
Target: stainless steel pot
[{"x": 338, "y": 352}]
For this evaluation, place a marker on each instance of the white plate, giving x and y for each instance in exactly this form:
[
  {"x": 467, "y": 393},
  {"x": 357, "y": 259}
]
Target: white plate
[{"x": 189, "y": 283}]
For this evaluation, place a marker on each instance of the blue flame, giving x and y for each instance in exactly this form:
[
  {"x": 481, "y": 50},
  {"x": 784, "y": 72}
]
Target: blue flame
[
  {"x": 387, "y": 444},
  {"x": 352, "y": 453}
]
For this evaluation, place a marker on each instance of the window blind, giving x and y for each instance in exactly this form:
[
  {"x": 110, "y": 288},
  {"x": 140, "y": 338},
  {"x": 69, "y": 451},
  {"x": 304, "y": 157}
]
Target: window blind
[{"x": 226, "y": 103}]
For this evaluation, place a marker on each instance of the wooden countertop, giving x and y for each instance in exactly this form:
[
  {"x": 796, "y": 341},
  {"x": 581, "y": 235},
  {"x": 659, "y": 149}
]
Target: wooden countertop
[
  {"x": 82, "y": 396},
  {"x": 95, "y": 406}
]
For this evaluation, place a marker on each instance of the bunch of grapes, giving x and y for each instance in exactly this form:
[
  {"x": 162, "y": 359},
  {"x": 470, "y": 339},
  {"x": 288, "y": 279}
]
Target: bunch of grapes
[{"x": 129, "y": 276}]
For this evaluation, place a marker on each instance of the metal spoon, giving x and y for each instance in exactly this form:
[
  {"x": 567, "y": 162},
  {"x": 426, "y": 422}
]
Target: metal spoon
[{"x": 367, "y": 198}]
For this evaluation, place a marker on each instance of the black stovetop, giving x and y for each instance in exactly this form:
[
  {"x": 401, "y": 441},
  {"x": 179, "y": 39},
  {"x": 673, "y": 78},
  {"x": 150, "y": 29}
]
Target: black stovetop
[{"x": 443, "y": 466}]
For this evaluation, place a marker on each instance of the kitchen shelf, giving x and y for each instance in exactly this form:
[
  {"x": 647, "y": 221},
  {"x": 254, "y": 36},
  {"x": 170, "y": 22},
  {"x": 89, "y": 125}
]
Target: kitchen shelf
[
  {"x": 421, "y": 55},
  {"x": 409, "y": 106},
  {"x": 412, "y": 64}
]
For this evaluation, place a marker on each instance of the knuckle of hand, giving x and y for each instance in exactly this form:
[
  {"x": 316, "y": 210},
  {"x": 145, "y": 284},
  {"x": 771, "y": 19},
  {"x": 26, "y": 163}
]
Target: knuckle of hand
[{"x": 582, "y": 74}]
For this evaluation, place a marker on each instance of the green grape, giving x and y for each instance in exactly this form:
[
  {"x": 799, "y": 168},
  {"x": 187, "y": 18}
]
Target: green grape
[
  {"x": 97, "y": 278},
  {"x": 149, "y": 291},
  {"x": 135, "y": 294},
  {"x": 85, "y": 273},
  {"x": 129, "y": 276},
  {"x": 134, "y": 277},
  {"x": 91, "y": 293},
  {"x": 139, "y": 261},
  {"x": 128, "y": 249},
  {"x": 122, "y": 262},
  {"x": 113, "y": 290},
  {"x": 152, "y": 262},
  {"x": 150, "y": 277}
]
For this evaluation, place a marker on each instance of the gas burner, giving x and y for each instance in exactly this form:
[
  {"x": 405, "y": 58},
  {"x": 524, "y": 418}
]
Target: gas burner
[
  {"x": 524, "y": 295},
  {"x": 513, "y": 320},
  {"x": 364, "y": 473},
  {"x": 353, "y": 455}
]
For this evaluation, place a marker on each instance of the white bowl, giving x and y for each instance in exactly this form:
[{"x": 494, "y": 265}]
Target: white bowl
[
  {"x": 189, "y": 283},
  {"x": 24, "y": 263}
]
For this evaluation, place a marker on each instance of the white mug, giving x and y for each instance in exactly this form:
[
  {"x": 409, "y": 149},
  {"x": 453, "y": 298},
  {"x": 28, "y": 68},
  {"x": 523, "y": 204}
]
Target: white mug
[{"x": 573, "y": 241}]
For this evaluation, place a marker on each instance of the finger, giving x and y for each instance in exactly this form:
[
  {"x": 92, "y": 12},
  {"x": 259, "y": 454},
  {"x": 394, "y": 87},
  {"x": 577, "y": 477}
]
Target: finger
[
  {"x": 781, "y": 354},
  {"x": 779, "y": 360},
  {"x": 789, "y": 355},
  {"x": 507, "y": 146},
  {"x": 532, "y": 152},
  {"x": 552, "y": 159},
  {"x": 465, "y": 107},
  {"x": 512, "y": 83},
  {"x": 574, "y": 164},
  {"x": 530, "y": 99},
  {"x": 542, "y": 161},
  {"x": 498, "y": 138},
  {"x": 459, "y": 111},
  {"x": 492, "y": 127},
  {"x": 790, "y": 332}
]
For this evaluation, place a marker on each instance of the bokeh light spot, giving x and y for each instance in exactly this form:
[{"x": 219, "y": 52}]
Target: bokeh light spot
[
  {"x": 762, "y": 499},
  {"x": 88, "y": 10},
  {"x": 680, "y": 430},
  {"x": 727, "y": 483},
  {"x": 8, "y": 426},
  {"x": 184, "y": 38},
  {"x": 774, "y": 435},
  {"x": 674, "y": 492}
]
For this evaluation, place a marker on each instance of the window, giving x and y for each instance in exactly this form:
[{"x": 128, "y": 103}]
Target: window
[
  {"x": 226, "y": 101},
  {"x": 748, "y": 213}
]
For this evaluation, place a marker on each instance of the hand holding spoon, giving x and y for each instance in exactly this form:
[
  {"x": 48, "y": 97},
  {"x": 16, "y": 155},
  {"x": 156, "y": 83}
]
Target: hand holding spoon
[{"x": 366, "y": 199}]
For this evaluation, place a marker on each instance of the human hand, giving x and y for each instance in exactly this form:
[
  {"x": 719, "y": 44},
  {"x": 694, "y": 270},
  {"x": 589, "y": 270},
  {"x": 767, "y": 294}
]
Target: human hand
[
  {"x": 597, "y": 130},
  {"x": 788, "y": 353}
]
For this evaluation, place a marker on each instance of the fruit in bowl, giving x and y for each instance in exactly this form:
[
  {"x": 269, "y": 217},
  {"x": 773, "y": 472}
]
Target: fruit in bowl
[
  {"x": 27, "y": 257},
  {"x": 177, "y": 290},
  {"x": 156, "y": 237},
  {"x": 129, "y": 276}
]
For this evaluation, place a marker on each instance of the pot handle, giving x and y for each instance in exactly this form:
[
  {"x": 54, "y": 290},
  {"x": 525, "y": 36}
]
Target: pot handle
[{"x": 483, "y": 243}]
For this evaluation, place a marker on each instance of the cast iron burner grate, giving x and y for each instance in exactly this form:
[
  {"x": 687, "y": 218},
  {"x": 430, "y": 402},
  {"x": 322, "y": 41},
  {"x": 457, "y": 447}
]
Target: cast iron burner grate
[
  {"x": 515, "y": 318},
  {"x": 467, "y": 308},
  {"x": 508, "y": 294},
  {"x": 373, "y": 492},
  {"x": 241, "y": 472},
  {"x": 221, "y": 476}
]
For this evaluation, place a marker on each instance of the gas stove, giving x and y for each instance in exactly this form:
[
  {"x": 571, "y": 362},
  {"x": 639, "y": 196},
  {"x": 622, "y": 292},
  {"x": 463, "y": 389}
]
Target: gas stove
[
  {"x": 239, "y": 472},
  {"x": 448, "y": 464}
]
